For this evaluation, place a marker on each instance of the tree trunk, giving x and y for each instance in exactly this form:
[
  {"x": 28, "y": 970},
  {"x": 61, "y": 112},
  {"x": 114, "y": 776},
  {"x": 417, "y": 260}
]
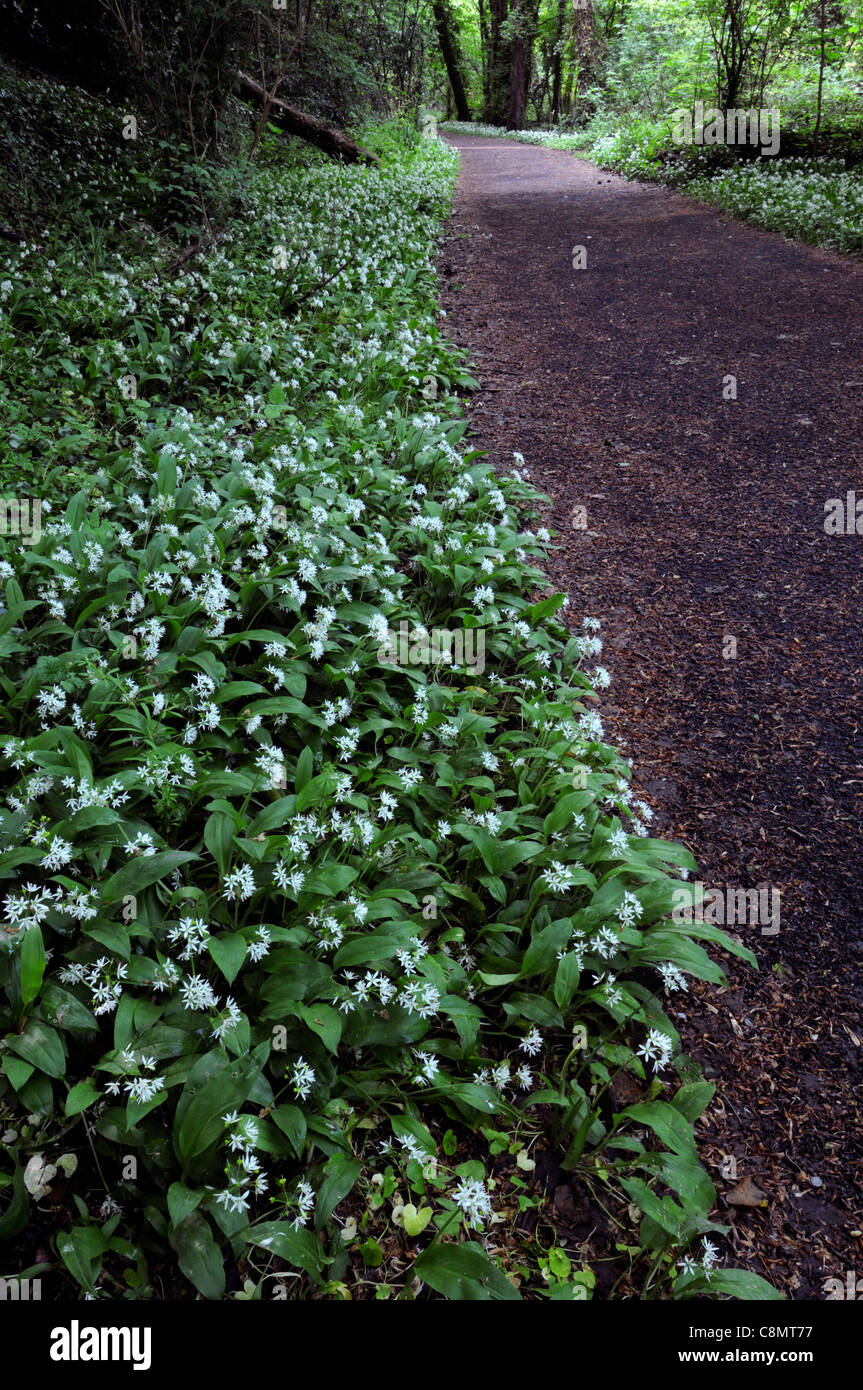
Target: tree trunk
[
  {"x": 822, "y": 19},
  {"x": 452, "y": 59},
  {"x": 499, "y": 65},
  {"x": 333, "y": 142},
  {"x": 557, "y": 62},
  {"x": 485, "y": 48},
  {"x": 521, "y": 61},
  {"x": 518, "y": 78}
]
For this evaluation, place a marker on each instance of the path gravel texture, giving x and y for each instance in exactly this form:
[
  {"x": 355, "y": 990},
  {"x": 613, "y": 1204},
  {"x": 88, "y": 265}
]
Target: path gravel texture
[{"x": 693, "y": 525}]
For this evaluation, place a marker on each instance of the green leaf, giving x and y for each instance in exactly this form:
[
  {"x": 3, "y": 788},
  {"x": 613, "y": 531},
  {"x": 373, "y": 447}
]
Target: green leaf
[
  {"x": 198, "y": 1255},
  {"x": 315, "y": 791},
  {"x": 32, "y": 964},
  {"x": 202, "y": 1123},
  {"x": 664, "y": 1211},
  {"x": 18, "y": 1072},
  {"x": 81, "y": 1251},
  {"x": 14, "y": 1218},
  {"x": 373, "y": 1255},
  {"x": 81, "y": 1097},
  {"x": 363, "y": 950},
  {"x": 668, "y": 1124},
  {"x": 543, "y": 609},
  {"x": 415, "y": 1221},
  {"x": 693, "y": 1098},
  {"x": 303, "y": 775},
  {"x": 219, "y": 838},
  {"x": 740, "y": 1283},
  {"x": 60, "y": 1007},
  {"x": 464, "y": 1272},
  {"x": 298, "y": 1248},
  {"x": 273, "y": 816},
  {"x": 685, "y": 1176},
  {"x": 330, "y": 880},
  {"x": 407, "y": 1127},
  {"x": 140, "y": 873},
  {"x": 340, "y": 1175},
  {"x": 41, "y": 1046},
  {"x": 496, "y": 981},
  {"x": 543, "y": 949},
  {"x": 229, "y": 952},
  {"x": 292, "y": 1123},
  {"x": 182, "y": 1201},
  {"x": 325, "y": 1021},
  {"x": 566, "y": 979}
]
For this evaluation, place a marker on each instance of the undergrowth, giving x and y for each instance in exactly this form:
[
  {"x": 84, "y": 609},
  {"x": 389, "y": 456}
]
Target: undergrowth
[{"x": 305, "y": 925}]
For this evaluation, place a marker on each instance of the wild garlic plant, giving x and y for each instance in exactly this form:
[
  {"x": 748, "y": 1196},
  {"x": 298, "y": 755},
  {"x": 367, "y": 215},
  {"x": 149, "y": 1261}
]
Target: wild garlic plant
[{"x": 270, "y": 896}]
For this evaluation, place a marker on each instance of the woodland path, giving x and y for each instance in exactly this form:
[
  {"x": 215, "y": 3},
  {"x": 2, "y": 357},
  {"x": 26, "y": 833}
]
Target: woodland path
[{"x": 704, "y": 521}]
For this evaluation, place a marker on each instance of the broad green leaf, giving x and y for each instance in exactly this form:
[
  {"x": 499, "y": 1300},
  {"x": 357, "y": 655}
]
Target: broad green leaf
[
  {"x": 415, "y": 1221},
  {"x": 292, "y": 1123},
  {"x": 543, "y": 950},
  {"x": 340, "y": 1175},
  {"x": 407, "y": 1127},
  {"x": 15, "y": 1216},
  {"x": 685, "y": 1176},
  {"x": 140, "y": 873},
  {"x": 202, "y": 1124},
  {"x": 198, "y": 1255},
  {"x": 741, "y": 1283},
  {"x": 219, "y": 838},
  {"x": 315, "y": 791},
  {"x": 298, "y": 1248},
  {"x": 566, "y": 979},
  {"x": 668, "y": 1124},
  {"x": 32, "y": 964},
  {"x": 81, "y": 1251},
  {"x": 303, "y": 774},
  {"x": 693, "y": 1098},
  {"x": 41, "y": 1046},
  {"x": 325, "y": 1021},
  {"x": 664, "y": 1211},
  {"x": 229, "y": 952},
  {"x": 464, "y": 1272},
  {"x": 81, "y": 1097},
  {"x": 182, "y": 1201}
]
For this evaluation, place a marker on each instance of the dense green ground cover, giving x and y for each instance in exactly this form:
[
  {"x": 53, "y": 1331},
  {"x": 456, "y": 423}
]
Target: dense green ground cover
[{"x": 299, "y": 928}]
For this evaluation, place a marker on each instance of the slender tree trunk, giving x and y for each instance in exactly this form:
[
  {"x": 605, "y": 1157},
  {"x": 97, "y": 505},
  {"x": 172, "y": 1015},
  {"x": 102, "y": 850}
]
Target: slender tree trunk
[
  {"x": 452, "y": 59},
  {"x": 485, "y": 46},
  {"x": 557, "y": 62},
  {"x": 822, "y": 19}
]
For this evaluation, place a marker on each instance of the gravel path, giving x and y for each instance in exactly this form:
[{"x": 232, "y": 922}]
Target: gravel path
[{"x": 732, "y": 620}]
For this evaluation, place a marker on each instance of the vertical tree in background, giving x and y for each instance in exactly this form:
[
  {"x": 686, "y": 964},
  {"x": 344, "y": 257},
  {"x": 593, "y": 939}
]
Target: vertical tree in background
[
  {"x": 748, "y": 38},
  {"x": 523, "y": 19},
  {"x": 498, "y": 63},
  {"x": 557, "y": 60},
  {"x": 447, "y": 37}
]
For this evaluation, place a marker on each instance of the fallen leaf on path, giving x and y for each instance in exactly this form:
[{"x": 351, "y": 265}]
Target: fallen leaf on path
[{"x": 746, "y": 1194}]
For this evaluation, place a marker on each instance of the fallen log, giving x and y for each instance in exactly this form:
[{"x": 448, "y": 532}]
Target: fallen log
[{"x": 294, "y": 122}]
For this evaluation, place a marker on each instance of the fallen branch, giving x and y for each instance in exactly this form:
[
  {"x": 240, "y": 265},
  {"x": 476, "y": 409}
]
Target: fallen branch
[
  {"x": 294, "y": 122},
  {"x": 184, "y": 256}
]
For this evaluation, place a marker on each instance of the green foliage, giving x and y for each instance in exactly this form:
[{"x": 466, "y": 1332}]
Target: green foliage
[{"x": 284, "y": 905}]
